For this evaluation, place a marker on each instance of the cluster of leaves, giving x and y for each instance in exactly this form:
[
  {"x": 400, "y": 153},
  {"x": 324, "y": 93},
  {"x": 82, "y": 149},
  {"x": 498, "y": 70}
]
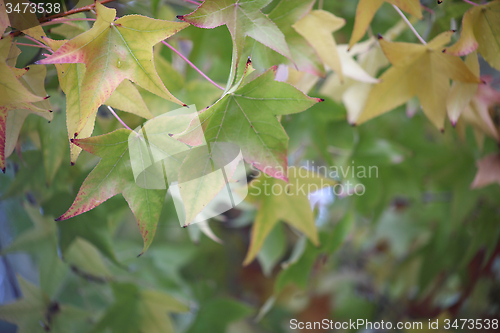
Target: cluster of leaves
[{"x": 425, "y": 227}]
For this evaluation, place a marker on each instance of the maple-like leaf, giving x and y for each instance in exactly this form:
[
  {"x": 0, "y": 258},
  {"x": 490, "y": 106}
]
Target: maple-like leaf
[
  {"x": 113, "y": 175},
  {"x": 317, "y": 28},
  {"x": 41, "y": 241},
  {"x": 137, "y": 310},
  {"x": 488, "y": 171},
  {"x": 247, "y": 116},
  {"x": 14, "y": 95},
  {"x": 113, "y": 51},
  {"x": 481, "y": 32},
  {"x": 281, "y": 201},
  {"x": 284, "y": 15},
  {"x": 242, "y": 18},
  {"x": 125, "y": 97},
  {"x": 366, "y": 11},
  {"x": 36, "y": 313},
  {"x": 422, "y": 70}
]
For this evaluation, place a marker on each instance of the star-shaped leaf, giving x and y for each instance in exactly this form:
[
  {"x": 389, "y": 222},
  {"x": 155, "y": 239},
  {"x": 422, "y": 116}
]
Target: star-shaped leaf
[
  {"x": 42, "y": 241},
  {"x": 281, "y": 201},
  {"x": 366, "y": 11},
  {"x": 461, "y": 93},
  {"x": 114, "y": 51},
  {"x": 317, "y": 28},
  {"x": 488, "y": 171},
  {"x": 422, "y": 70},
  {"x": 481, "y": 32},
  {"x": 247, "y": 117},
  {"x": 242, "y": 18},
  {"x": 113, "y": 175},
  {"x": 125, "y": 97}
]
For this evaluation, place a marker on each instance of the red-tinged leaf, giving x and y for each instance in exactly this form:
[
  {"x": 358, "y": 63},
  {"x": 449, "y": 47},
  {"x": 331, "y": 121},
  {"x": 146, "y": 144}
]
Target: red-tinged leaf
[
  {"x": 112, "y": 52},
  {"x": 113, "y": 175},
  {"x": 488, "y": 171},
  {"x": 481, "y": 31}
]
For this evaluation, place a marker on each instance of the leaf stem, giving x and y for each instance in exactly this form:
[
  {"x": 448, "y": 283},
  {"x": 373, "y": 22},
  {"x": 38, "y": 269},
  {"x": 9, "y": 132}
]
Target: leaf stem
[
  {"x": 116, "y": 116},
  {"x": 193, "y": 2},
  {"x": 192, "y": 65},
  {"x": 38, "y": 44},
  {"x": 471, "y": 3},
  {"x": 409, "y": 24},
  {"x": 66, "y": 20}
]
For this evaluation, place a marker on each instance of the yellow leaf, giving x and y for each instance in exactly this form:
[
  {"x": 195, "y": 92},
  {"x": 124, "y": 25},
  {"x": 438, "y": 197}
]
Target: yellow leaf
[
  {"x": 366, "y": 11},
  {"x": 421, "y": 70},
  {"x": 317, "y": 28}
]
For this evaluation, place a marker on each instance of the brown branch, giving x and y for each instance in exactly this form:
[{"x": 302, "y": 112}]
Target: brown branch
[{"x": 71, "y": 12}]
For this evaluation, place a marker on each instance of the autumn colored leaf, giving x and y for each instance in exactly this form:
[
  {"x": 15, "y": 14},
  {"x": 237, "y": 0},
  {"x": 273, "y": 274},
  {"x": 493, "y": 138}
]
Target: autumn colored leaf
[
  {"x": 477, "y": 112},
  {"x": 35, "y": 312},
  {"x": 242, "y": 18},
  {"x": 246, "y": 117},
  {"x": 125, "y": 97},
  {"x": 317, "y": 28},
  {"x": 366, "y": 11},
  {"x": 136, "y": 310},
  {"x": 278, "y": 200},
  {"x": 488, "y": 171},
  {"x": 421, "y": 70},
  {"x": 481, "y": 32},
  {"x": 113, "y": 175},
  {"x": 114, "y": 51},
  {"x": 16, "y": 95}
]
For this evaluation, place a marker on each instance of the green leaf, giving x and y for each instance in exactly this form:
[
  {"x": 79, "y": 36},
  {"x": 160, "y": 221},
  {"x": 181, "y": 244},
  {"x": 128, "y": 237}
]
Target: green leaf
[
  {"x": 137, "y": 310},
  {"x": 211, "y": 320},
  {"x": 242, "y": 18},
  {"x": 281, "y": 201}
]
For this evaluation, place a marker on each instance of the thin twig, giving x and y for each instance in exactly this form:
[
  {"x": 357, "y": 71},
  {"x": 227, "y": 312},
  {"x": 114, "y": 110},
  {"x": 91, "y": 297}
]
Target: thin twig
[
  {"x": 73, "y": 11},
  {"x": 33, "y": 45},
  {"x": 471, "y": 3},
  {"x": 38, "y": 44},
  {"x": 192, "y": 65},
  {"x": 116, "y": 116},
  {"x": 193, "y": 2},
  {"x": 409, "y": 24}
]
